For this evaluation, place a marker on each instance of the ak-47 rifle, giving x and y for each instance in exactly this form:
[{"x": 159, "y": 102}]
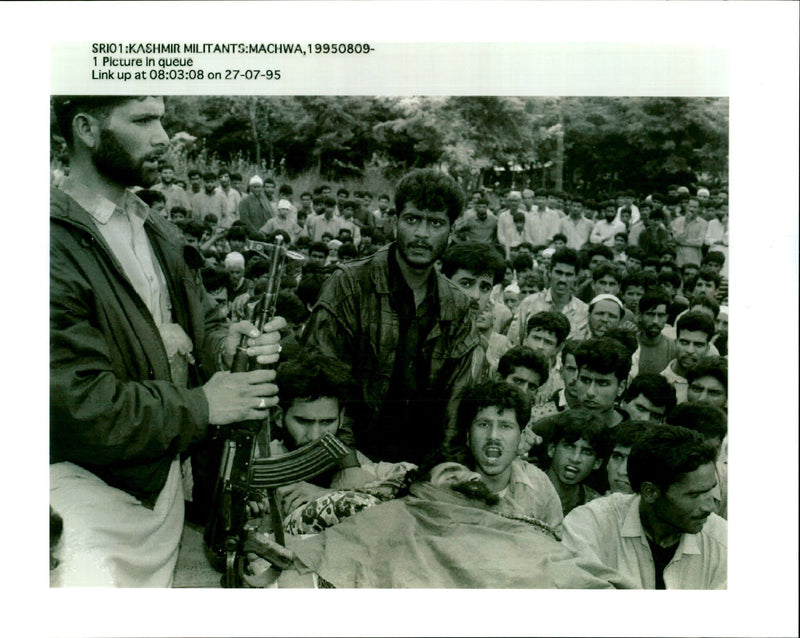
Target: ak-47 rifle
[{"x": 241, "y": 472}]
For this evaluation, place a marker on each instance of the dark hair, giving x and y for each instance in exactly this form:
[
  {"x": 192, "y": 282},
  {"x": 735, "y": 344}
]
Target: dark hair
[
  {"x": 309, "y": 287},
  {"x": 523, "y": 357},
  {"x": 709, "y": 274},
  {"x": 150, "y": 197},
  {"x": 429, "y": 189},
  {"x": 565, "y": 256},
  {"x": 347, "y": 251},
  {"x": 194, "y": 228},
  {"x": 632, "y": 279},
  {"x": 477, "y": 258},
  {"x": 625, "y": 335},
  {"x": 384, "y": 196},
  {"x": 285, "y": 189},
  {"x": 522, "y": 261},
  {"x": 179, "y": 209},
  {"x": 714, "y": 257},
  {"x": 664, "y": 454},
  {"x": 655, "y": 388},
  {"x": 269, "y": 180},
  {"x": 224, "y": 171},
  {"x": 498, "y": 394},
  {"x": 310, "y": 375},
  {"x": 66, "y": 107},
  {"x": 319, "y": 247},
  {"x": 701, "y": 417},
  {"x": 705, "y": 301},
  {"x": 557, "y": 236},
  {"x": 236, "y": 177},
  {"x": 324, "y": 200},
  {"x": 604, "y": 356},
  {"x": 607, "y": 268},
  {"x": 654, "y": 262},
  {"x": 694, "y": 322},
  {"x": 710, "y": 366},
  {"x": 209, "y": 176},
  {"x": 598, "y": 249},
  {"x": 670, "y": 277},
  {"x": 628, "y": 433},
  {"x": 343, "y": 191},
  {"x": 549, "y": 321},
  {"x": 580, "y": 423},
  {"x": 652, "y": 298},
  {"x": 192, "y": 172},
  {"x": 290, "y": 307},
  {"x": 236, "y": 233}
]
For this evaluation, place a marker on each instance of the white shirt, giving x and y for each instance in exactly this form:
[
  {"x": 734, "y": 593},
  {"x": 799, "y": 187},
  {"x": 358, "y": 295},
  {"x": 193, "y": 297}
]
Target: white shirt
[{"x": 608, "y": 532}]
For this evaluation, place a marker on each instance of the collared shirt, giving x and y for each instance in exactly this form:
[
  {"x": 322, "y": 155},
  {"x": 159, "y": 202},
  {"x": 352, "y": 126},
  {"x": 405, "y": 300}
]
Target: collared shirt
[
  {"x": 484, "y": 231},
  {"x": 678, "y": 382},
  {"x": 689, "y": 237},
  {"x": 123, "y": 230},
  {"x": 604, "y": 232},
  {"x": 575, "y": 310},
  {"x": 530, "y": 493},
  {"x": 608, "y": 532},
  {"x": 174, "y": 194},
  {"x": 231, "y": 201},
  {"x": 204, "y": 204},
  {"x": 577, "y": 232},
  {"x": 317, "y": 226},
  {"x": 543, "y": 226}
]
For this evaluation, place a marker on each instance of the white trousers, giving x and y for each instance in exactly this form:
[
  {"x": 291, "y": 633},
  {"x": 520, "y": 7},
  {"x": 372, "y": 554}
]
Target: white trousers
[{"x": 110, "y": 539}]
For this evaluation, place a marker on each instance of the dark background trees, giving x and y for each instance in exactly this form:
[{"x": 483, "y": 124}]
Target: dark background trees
[{"x": 589, "y": 145}]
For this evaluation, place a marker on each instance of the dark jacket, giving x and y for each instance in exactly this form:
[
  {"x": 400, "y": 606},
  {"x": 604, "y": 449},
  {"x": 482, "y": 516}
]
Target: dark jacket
[
  {"x": 253, "y": 212},
  {"x": 353, "y": 321},
  {"x": 113, "y": 407}
]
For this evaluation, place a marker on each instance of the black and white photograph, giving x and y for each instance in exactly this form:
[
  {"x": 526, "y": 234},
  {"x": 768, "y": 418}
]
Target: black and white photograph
[{"x": 420, "y": 319}]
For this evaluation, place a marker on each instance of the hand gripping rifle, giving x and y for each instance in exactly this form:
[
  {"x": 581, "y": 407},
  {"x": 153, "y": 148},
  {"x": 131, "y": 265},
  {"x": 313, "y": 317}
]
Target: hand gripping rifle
[{"x": 241, "y": 472}]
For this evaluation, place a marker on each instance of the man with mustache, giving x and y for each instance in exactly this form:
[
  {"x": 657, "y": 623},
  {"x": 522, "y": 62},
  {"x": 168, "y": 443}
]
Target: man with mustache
[
  {"x": 665, "y": 535},
  {"x": 694, "y": 332},
  {"x": 404, "y": 330},
  {"x": 134, "y": 345},
  {"x": 491, "y": 418}
]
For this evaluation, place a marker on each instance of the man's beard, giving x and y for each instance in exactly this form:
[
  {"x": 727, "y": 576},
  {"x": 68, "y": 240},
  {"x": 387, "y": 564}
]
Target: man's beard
[
  {"x": 477, "y": 491},
  {"x": 113, "y": 161}
]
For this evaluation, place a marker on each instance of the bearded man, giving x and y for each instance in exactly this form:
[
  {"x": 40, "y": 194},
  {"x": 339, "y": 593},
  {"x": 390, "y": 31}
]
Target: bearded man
[{"x": 134, "y": 345}]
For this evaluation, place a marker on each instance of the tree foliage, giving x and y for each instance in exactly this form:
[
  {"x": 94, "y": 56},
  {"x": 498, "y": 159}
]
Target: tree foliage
[{"x": 643, "y": 143}]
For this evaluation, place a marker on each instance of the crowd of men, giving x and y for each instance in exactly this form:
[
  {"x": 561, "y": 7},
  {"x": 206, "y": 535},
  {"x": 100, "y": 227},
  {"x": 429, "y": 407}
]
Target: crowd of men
[{"x": 557, "y": 360}]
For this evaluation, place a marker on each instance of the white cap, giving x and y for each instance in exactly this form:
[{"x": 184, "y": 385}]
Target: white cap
[
  {"x": 284, "y": 203},
  {"x": 255, "y": 179},
  {"x": 607, "y": 297},
  {"x": 234, "y": 259}
]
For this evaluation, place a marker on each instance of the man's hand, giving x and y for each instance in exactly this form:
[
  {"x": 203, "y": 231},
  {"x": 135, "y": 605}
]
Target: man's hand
[
  {"x": 240, "y": 396},
  {"x": 263, "y": 346},
  {"x": 528, "y": 439},
  {"x": 297, "y": 494}
]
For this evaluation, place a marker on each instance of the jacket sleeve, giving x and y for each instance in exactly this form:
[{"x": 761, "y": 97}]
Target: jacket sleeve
[
  {"x": 97, "y": 415},
  {"x": 330, "y": 327}
]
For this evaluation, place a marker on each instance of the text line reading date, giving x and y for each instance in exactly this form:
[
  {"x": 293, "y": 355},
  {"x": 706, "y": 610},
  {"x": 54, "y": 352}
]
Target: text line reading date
[
  {"x": 252, "y": 74},
  {"x": 340, "y": 48}
]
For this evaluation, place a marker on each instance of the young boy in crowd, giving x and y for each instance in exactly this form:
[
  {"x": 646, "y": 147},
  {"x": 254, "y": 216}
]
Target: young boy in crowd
[
  {"x": 622, "y": 439},
  {"x": 577, "y": 448},
  {"x": 694, "y": 332},
  {"x": 603, "y": 367},
  {"x": 648, "y": 397}
]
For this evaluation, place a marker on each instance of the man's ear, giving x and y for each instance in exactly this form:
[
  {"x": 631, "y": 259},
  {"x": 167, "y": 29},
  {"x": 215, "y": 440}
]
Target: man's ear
[
  {"x": 597, "y": 464},
  {"x": 650, "y": 492},
  {"x": 621, "y": 389},
  {"x": 277, "y": 416},
  {"x": 86, "y": 128},
  {"x": 551, "y": 450}
]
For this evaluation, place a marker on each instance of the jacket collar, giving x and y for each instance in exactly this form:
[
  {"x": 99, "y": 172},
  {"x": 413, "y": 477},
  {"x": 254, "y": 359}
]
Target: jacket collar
[
  {"x": 380, "y": 279},
  {"x": 632, "y": 528}
]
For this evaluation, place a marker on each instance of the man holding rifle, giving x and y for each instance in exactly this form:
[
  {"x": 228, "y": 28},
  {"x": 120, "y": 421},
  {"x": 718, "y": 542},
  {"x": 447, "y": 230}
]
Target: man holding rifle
[{"x": 136, "y": 352}]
